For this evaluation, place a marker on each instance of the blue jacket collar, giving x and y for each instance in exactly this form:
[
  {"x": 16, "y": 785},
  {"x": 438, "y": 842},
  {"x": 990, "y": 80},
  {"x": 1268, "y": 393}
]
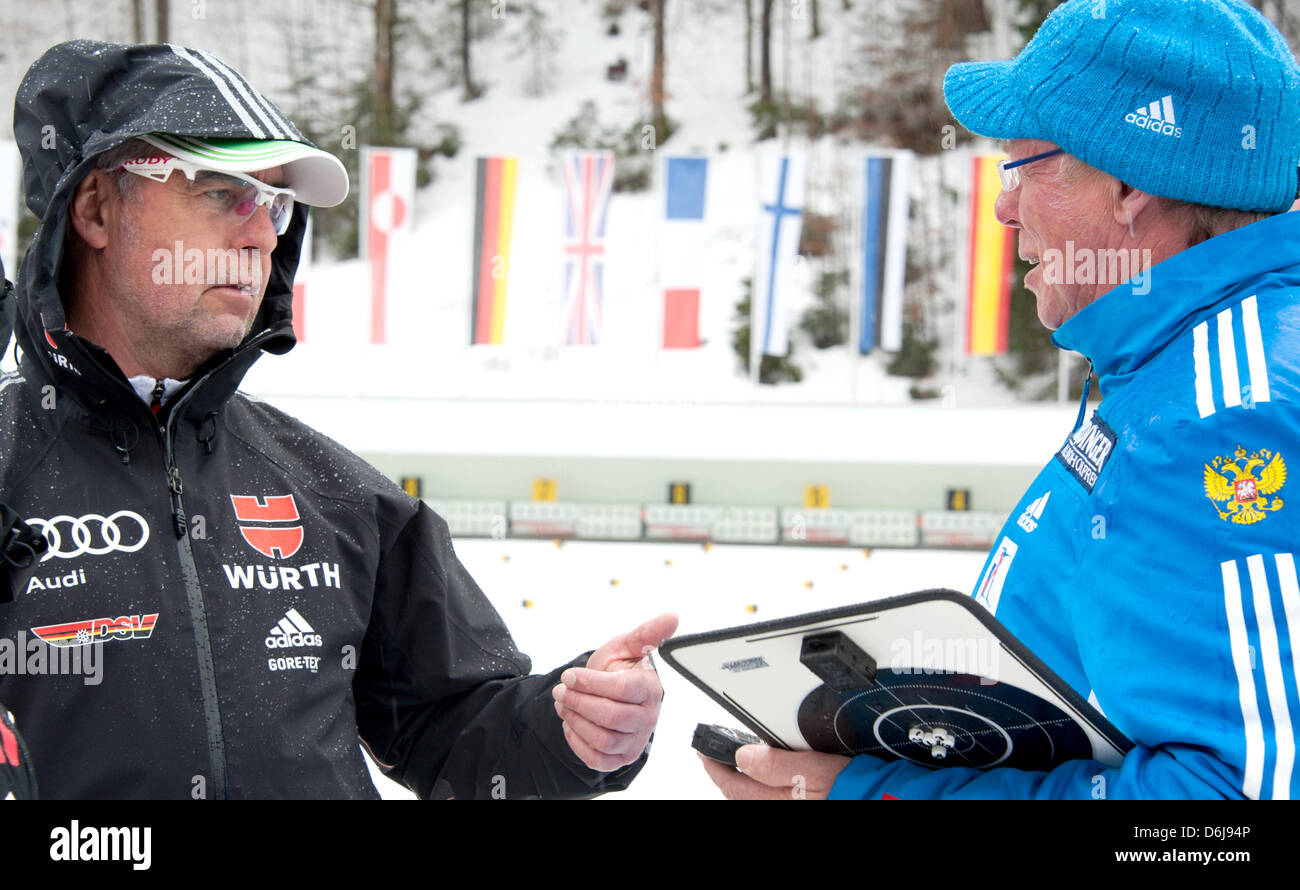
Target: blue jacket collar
[{"x": 1121, "y": 331}]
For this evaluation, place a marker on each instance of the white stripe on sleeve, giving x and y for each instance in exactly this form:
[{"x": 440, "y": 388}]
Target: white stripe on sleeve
[
  {"x": 1228, "y": 361},
  {"x": 1259, "y": 390},
  {"x": 1274, "y": 680},
  {"x": 1201, "y": 358},
  {"x": 1245, "y": 683},
  {"x": 1286, "y": 576}
]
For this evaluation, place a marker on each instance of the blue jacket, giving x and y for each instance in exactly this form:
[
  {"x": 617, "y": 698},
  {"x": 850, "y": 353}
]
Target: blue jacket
[{"x": 1152, "y": 563}]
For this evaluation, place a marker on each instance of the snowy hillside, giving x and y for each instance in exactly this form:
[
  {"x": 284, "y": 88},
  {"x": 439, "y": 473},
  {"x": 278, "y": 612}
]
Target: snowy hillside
[{"x": 519, "y": 113}]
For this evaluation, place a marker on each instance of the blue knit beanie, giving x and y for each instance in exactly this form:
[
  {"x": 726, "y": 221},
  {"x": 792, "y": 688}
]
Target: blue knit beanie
[{"x": 1197, "y": 100}]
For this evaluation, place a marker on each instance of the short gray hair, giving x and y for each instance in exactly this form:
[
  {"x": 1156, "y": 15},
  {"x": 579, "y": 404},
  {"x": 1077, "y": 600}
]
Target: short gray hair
[
  {"x": 108, "y": 163},
  {"x": 1203, "y": 222},
  {"x": 1207, "y": 222},
  {"x": 111, "y": 160}
]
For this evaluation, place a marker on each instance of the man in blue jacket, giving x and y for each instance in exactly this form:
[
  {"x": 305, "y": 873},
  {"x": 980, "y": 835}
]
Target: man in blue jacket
[{"x": 1152, "y": 562}]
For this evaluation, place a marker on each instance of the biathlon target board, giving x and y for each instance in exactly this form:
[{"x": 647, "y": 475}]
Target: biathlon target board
[{"x": 929, "y": 677}]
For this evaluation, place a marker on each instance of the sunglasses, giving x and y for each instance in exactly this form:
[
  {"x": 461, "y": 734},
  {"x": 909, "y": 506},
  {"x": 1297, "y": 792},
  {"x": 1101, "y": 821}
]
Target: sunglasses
[{"x": 233, "y": 195}]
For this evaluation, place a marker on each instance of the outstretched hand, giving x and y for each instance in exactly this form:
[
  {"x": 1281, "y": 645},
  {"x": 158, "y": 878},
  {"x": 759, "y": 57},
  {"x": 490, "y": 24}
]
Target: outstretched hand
[{"x": 611, "y": 706}]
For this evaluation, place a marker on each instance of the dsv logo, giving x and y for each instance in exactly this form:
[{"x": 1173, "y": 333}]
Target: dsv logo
[{"x": 122, "y": 532}]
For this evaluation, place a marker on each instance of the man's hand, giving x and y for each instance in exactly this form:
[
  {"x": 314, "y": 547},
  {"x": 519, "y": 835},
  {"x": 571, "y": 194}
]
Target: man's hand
[
  {"x": 774, "y": 774},
  {"x": 610, "y": 707}
]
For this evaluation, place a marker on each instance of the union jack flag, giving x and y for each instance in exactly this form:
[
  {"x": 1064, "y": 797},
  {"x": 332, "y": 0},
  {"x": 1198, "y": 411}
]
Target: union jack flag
[{"x": 588, "y": 178}]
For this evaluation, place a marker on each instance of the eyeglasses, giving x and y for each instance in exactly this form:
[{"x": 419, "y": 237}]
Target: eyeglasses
[
  {"x": 1009, "y": 171},
  {"x": 233, "y": 195}
]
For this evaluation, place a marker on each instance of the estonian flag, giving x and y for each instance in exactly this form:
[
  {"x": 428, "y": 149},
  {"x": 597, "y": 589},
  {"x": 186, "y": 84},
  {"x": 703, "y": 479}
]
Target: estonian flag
[{"x": 885, "y": 208}]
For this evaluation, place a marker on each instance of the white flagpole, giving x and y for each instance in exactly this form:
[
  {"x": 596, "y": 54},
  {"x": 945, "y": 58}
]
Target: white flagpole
[{"x": 856, "y": 234}]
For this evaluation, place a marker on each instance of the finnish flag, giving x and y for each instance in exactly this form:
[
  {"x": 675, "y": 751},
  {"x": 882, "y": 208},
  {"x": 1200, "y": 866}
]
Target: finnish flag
[{"x": 780, "y": 222}]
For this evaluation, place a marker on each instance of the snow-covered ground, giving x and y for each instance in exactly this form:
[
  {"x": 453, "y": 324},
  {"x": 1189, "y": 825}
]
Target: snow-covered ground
[{"x": 584, "y": 593}]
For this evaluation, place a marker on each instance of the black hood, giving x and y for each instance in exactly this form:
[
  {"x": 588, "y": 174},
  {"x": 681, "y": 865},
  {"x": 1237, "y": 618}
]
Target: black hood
[{"x": 83, "y": 98}]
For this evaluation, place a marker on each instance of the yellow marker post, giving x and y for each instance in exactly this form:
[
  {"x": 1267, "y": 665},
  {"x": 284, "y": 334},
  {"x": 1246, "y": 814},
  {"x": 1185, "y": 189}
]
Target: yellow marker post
[
  {"x": 816, "y": 496},
  {"x": 411, "y": 485},
  {"x": 543, "y": 489}
]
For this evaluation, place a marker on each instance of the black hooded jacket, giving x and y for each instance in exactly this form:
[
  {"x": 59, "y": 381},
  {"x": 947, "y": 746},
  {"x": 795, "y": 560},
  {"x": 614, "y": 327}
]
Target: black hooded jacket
[{"x": 229, "y": 598}]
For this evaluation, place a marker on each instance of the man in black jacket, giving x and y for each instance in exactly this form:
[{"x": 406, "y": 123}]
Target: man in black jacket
[
  {"x": 19, "y": 548},
  {"x": 261, "y": 597}
]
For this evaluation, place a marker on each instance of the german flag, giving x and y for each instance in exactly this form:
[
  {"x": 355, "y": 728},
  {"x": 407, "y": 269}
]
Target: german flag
[
  {"x": 988, "y": 297},
  {"x": 494, "y": 208}
]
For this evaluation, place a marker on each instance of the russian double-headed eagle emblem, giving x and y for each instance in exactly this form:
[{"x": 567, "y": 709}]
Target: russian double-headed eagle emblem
[{"x": 1243, "y": 498}]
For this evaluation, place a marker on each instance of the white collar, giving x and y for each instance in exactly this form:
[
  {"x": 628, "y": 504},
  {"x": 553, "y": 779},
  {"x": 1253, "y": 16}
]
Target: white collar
[{"x": 144, "y": 387}]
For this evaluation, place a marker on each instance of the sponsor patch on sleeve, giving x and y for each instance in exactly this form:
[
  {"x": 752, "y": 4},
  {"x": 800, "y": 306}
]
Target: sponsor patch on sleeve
[
  {"x": 1085, "y": 453},
  {"x": 989, "y": 591}
]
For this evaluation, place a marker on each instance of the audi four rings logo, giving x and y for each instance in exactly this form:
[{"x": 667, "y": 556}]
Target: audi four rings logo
[{"x": 122, "y": 532}]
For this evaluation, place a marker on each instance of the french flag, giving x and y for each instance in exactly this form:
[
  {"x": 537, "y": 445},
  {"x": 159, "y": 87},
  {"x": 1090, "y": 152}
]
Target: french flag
[{"x": 682, "y": 250}]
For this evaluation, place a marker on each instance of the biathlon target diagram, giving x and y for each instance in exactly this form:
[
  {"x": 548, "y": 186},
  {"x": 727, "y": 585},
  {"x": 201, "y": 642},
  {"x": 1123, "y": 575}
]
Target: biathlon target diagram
[
  {"x": 942, "y": 720},
  {"x": 929, "y": 677}
]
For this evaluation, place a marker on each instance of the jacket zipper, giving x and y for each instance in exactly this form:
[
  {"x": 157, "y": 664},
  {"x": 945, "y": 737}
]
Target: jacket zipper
[
  {"x": 155, "y": 405},
  {"x": 1083, "y": 401},
  {"x": 194, "y": 590},
  {"x": 198, "y": 612}
]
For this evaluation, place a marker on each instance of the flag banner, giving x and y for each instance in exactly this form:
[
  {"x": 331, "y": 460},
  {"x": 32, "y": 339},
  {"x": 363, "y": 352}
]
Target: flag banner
[
  {"x": 588, "y": 181},
  {"x": 386, "y": 201},
  {"x": 681, "y": 254},
  {"x": 494, "y": 211},
  {"x": 989, "y": 269},
  {"x": 780, "y": 221},
  {"x": 686, "y": 182},
  {"x": 885, "y": 206},
  {"x": 681, "y": 318},
  {"x": 300, "y": 286},
  {"x": 10, "y": 173}
]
